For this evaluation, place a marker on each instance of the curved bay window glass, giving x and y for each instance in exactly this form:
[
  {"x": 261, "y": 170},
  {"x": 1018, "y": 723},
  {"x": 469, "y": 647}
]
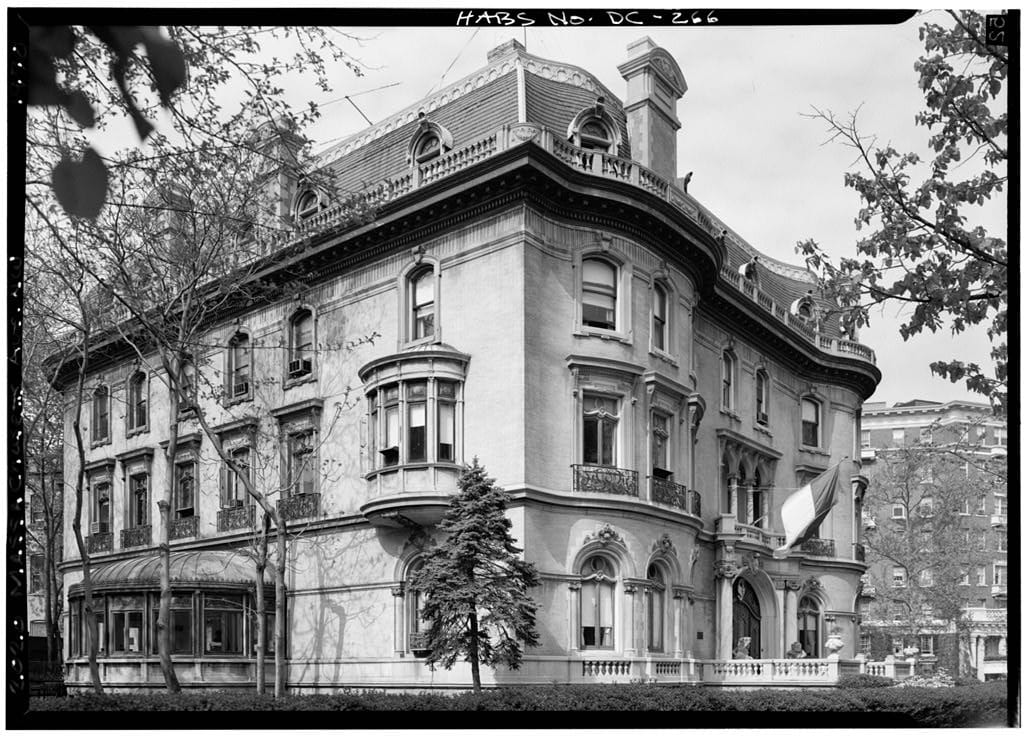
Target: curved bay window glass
[
  {"x": 446, "y": 420},
  {"x": 600, "y": 281},
  {"x": 421, "y": 287},
  {"x": 656, "y": 609},
  {"x": 222, "y": 624},
  {"x": 597, "y": 603},
  {"x": 808, "y": 617},
  {"x": 600, "y": 423}
]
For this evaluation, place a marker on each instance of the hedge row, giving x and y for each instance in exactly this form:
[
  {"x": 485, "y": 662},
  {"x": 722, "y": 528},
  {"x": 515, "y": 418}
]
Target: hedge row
[{"x": 977, "y": 705}]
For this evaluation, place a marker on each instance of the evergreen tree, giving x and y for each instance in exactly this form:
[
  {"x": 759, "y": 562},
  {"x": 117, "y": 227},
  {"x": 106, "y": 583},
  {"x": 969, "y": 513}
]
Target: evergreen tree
[{"x": 477, "y": 607}]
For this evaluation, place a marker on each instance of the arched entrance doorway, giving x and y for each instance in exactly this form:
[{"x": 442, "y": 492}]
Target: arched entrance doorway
[{"x": 746, "y": 616}]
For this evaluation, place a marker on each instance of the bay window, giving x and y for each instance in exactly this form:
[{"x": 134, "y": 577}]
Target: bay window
[
  {"x": 414, "y": 421},
  {"x": 222, "y": 624}
]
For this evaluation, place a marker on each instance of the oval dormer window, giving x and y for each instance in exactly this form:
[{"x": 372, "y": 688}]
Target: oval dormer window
[{"x": 594, "y": 136}]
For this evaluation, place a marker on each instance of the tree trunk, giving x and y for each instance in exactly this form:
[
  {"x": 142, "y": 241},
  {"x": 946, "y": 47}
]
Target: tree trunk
[
  {"x": 48, "y": 596},
  {"x": 261, "y": 608},
  {"x": 76, "y": 525},
  {"x": 280, "y": 674},
  {"x": 163, "y": 624},
  {"x": 474, "y": 651}
]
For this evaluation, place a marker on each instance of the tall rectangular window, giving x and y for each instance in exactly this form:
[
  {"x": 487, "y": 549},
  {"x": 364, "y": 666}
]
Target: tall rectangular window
[
  {"x": 301, "y": 458},
  {"x": 101, "y": 414},
  {"x": 300, "y": 358},
  {"x": 660, "y": 445},
  {"x": 239, "y": 383},
  {"x": 222, "y": 624},
  {"x": 35, "y": 573},
  {"x": 811, "y": 417},
  {"x": 599, "y": 293},
  {"x": 416, "y": 405},
  {"x": 138, "y": 402},
  {"x": 445, "y": 421},
  {"x": 101, "y": 509},
  {"x": 865, "y": 438},
  {"x": 999, "y": 577},
  {"x": 422, "y": 297},
  {"x": 138, "y": 500},
  {"x": 761, "y": 396},
  {"x": 898, "y": 437},
  {"x": 234, "y": 487},
  {"x": 600, "y": 422},
  {"x": 728, "y": 379},
  {"x": 126, "y": 631},
  {"x": 659, "y": 317},
  {"x": 184, "y": 489}
]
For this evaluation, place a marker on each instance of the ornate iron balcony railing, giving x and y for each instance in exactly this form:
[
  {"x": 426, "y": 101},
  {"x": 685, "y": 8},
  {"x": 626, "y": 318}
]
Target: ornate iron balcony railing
[
  {"x": 184, "y": 528},
  {"x": 100, "y": 542},
  {"x": 235, "y": 517},
  {"x": 819, "y": 547},
  {"x": 668, "y": 492},
  {"x": 138, "y": 536},
  {"x": 301, "y": 506},
  {"x": 602, "y": 479}
]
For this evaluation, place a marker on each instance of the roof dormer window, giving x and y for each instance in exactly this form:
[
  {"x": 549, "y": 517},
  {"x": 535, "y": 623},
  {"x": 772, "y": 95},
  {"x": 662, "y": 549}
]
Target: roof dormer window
[
  {"x": 593, "y": 129},
  {"x": 430, "y": 141},
  {"x": 307, "y": 203}
]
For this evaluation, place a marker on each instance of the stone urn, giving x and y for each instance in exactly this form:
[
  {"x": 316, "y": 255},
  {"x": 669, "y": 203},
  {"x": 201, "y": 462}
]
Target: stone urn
[{"x": 834, "y": 643}]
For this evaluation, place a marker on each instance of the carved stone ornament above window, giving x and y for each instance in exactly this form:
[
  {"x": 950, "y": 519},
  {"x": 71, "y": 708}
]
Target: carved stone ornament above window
[{"x": 604, "y": 535}]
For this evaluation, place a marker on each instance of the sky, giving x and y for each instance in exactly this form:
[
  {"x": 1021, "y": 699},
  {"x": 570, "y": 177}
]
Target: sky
[{"x": 758, "y": 161}]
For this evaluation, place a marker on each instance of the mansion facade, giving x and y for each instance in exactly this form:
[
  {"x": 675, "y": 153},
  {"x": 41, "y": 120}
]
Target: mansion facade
[{"x": 537, "y": 290}]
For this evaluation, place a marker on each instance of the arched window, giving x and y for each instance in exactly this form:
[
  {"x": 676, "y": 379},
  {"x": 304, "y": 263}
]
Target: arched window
[
  {"x": 101, "y": 414},
  {"x": 421, "y": 301},
  {"x": 239, "y": 367},
  {"x": 655, "y": 609},
  {"x": 300, "y": 344},
  {"x": 427, "y": 147},
  {"x": 594, "y": 129},
  {"x": 659, "y": 318},
  {"x": 761, "y": 396},
  {"x": 600, "y": 281},
  {"x": 307, "y": 204},
  {"x": 428, "y": 142},
  {"x": 808, "y": 625},
  {"x": 728, "y": 380},
  {"x": 597, "y": 603},
  {"x": 138, "y": 403},
  {"x": 594, "y": 135},
  {"x": 810, "y": 425}
]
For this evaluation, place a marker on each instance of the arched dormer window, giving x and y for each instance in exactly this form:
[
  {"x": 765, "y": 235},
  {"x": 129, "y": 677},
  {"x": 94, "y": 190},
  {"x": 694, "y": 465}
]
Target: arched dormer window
[
  {"x": 138, "y": 403},
  {"x": 300, "y": 344},
  {"x": 728, "y": 380},
  {"x": 761, "y": 395},
  {"x": 593, "y": 129},
  {"x": 308, "y": 202},
  {"x": 430, "y": 141}
]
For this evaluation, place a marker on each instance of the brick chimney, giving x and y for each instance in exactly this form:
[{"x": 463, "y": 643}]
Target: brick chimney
[{"x": 654, "y": 84}]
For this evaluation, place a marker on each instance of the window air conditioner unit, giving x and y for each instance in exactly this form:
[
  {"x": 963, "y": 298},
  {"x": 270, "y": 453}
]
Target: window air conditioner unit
[
  {"x": 98, "y": 527},
  {"x": 299, "y": 367},
  {"x": 390, "y": 455},
  {"x": 240, "y": 389}
]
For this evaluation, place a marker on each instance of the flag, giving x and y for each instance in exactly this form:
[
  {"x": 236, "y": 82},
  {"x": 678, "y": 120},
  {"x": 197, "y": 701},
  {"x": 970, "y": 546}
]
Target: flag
[{"x": 804, "y": 511}]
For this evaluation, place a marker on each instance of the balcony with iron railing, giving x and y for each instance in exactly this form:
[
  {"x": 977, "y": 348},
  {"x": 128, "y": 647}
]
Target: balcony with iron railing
[
  {"x": 670, "y": 493},
  {"x": 100, "y": 542},
  {"x": 593, "y": 163},
  {"x": 819, "y": 547},
  {"x": 183, "y": 528},
  {"x": 236, "y": 517},
  {"x": 603, "y": 479},
  {"x": 137, "y": 536},
  {"x": 299, "y": 506}
]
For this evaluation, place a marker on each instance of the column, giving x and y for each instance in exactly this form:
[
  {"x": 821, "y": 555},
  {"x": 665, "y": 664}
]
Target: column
[
  {"x": 750, "y": 503},
  {"x": 790, "y": 633},
  {"x": 573, "y": 640},
  {"x": 679, "y": 624},
  {"x": 780, "y": 606},
  {"x": 398, "y": 593},
  {"x": 767, "y": 503},
  {"x": 981, "y": 658},
  {"x": 725, "y": 571},
  {"x": 629, "y": 620},
  {"x": 734, "y": 495}
]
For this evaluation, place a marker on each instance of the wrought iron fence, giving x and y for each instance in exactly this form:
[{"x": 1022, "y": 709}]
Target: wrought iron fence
[{"x": 601, "y": 479}]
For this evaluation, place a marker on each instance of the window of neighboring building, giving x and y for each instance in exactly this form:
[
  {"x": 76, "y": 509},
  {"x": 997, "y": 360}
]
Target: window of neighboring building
[
  {"x": 981, "y": 541},
  {"x": 101, "y": 414},
  {"x": 810, "y": 423},
  {"x": 301, "y": 463},
  {"x": 965, "y": 578},
  {"x": 138, "y": 403},
  {"x": 728, "y": 380},
  {"x": 422, "y": 300},
  {"x": 239, "y": 367},
  {"x": 597, "y": 603},
  {"x": 234, "y": 486},
  {"x": 999, "y": 507},
  {"x": 979, "y": 506},
  {"x": 927, "y": 506},
  {"x": 1001, "y": 541},
  {"x": 926, "y": 644},
  {"x": 761, "y": 396},
  {"x": 659, "y": 318},
  {"x": 808, "y": 625},
  {"x": 35, "y": 573},
  {"x": 660, "y": 436},
  {"x": 600, "y": 425},
  {"x": 101, "y": 508},
  {"x": 898, "y": 437},
  {"x": 184, "y": 489},
  {"x": 655, "y": 609},
  {"x": 926, "y": 579},
  {"x": 899, "y": 577},
  {"x": 37, "y": 512},
  {"x": 138, "y": 500},
  {"x": 926, "y": 435},
  {"x": 999, "y": 574},
  {"x": 865, "y": 438},
  {"x": 979, "y": 575},
  {"x": 899, "y": 511},
  {"x": 300, "y": 342},
  {"x": 222, "y": 623},
  {"x": 599, "y": 296},
  {"x": 999, "y": 436}
]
